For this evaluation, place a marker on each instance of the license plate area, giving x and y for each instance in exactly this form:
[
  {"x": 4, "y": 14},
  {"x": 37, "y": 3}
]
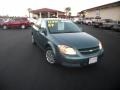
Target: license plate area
[{"x": 92, "y": 60}]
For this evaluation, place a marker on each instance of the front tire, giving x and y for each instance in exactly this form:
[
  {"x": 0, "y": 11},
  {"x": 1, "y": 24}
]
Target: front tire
[
  {"x": 50, "y": 57},
  {"x": 23, "y": 26}
]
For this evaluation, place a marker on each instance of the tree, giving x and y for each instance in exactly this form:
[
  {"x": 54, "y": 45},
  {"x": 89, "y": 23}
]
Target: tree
[
  {"x": 69, "y": 14},
  {"x": 82, "y": 14},
  {"x": 67, "y": 11}
]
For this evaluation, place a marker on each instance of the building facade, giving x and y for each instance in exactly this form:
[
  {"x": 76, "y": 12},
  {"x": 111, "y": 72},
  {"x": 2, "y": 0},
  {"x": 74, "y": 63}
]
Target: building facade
[
  {"x": 46, "y": 13},
  {"x": 108, "y": 11}
]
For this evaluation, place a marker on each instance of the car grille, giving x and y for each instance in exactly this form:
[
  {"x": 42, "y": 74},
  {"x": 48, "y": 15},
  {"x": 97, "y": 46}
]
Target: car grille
[{"x": 88, "y": 51}]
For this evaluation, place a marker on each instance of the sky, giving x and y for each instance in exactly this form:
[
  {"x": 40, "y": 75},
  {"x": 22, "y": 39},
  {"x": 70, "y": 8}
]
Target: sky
[{"x": 19, "y": 7}]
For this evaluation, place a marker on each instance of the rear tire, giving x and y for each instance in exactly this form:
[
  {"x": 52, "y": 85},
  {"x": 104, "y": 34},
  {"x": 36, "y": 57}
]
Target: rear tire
[{"x": 4, "y": 27}]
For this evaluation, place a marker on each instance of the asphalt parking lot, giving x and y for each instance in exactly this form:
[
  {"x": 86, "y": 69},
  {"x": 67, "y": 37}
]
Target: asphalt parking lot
[{"x": 23, "y": 67}]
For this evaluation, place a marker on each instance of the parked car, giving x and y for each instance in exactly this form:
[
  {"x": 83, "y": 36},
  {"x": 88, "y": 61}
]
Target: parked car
[
  {"x": 98, "y": 23},
  {"x": 116, "y": 26},
  {"x": 104, "y": 23},
  {"x": 87, "y": 21},
  {"x": 16, "y": 23},
  {"x": 65, "y": 43},
  {"x": 1, "y": 22},
  {"x": 108, "y": 23},
  {"x": 77, "y": 20}
]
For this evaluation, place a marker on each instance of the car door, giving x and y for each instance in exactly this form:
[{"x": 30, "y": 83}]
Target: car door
[
  {"x": 13, "y": 23},
  {"x": 16, "y": 23},
  {"x": 41, "y": 36}
]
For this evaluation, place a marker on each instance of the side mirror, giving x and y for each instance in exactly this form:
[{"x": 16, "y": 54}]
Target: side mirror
[{"x": 44, "y": 31}]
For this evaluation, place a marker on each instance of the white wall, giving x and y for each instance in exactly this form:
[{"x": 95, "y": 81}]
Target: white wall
[
  {"x": 107, "y": 13},
  {"x": 34, "y": 15},
  {"x": 91, "y": 13},
  {"x": 110, "y": 13}
]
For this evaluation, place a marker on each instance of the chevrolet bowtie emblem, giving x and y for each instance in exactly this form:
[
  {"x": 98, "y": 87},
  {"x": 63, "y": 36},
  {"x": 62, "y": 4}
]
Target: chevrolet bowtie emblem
[{"x": 90, "y": 50}]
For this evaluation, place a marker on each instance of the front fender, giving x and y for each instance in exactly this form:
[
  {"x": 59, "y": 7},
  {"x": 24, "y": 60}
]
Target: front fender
[{"x": 52, "y": 46}]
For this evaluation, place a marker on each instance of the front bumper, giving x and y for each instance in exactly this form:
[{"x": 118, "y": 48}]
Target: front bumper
[
  {"x": 70, "y": 61},
  {"x": 81, "y": 62}
]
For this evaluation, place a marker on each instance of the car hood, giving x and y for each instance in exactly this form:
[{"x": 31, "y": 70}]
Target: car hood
[{"x": 76, "y": 40}]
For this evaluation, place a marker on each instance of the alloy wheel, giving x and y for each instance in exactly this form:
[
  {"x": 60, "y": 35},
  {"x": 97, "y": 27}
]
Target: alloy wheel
[{"x": 50, "y": 56}]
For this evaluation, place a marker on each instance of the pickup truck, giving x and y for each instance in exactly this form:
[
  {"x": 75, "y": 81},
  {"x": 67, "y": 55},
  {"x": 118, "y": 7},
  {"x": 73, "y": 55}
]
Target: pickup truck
[
  {"x": 104, "y": 23},
  {"x": 108, "y": 24},
  {"x": 116, "y": 26}
]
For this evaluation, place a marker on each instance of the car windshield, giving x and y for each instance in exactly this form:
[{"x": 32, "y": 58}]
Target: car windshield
[{"x": 62, "y": 26}]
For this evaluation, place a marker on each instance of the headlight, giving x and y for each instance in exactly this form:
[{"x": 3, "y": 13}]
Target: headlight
[
  {"x": 100, "y": 45},
  {"x": 67, "y": 50}
]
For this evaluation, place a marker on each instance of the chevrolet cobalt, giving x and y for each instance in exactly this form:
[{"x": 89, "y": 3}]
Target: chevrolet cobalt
[{"x": 65, "y": 43}]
